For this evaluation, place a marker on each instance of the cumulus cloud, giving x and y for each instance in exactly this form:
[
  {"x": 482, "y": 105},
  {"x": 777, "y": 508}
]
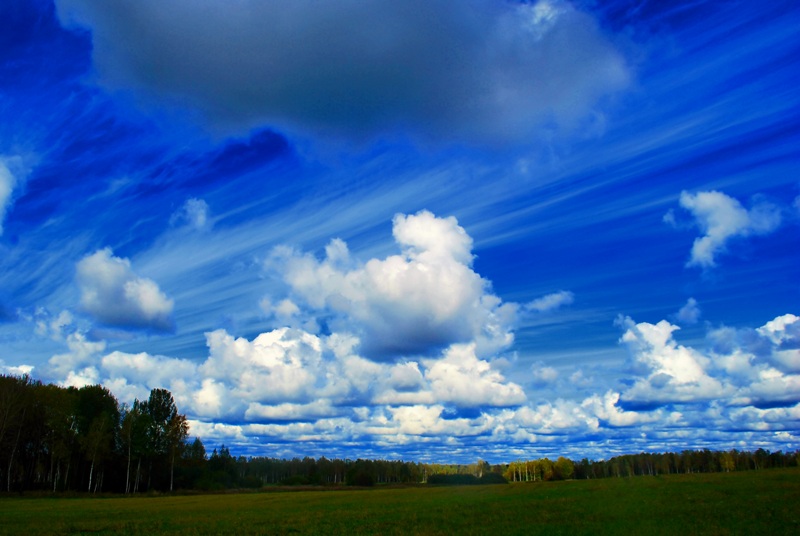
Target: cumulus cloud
[
  {"x": 551, "y": 302},
  {"x": 288, "y": 386},
  {"x": 605, "y": 407},
  {"x": 484, "y": 70},
  {"x": 194, "y": 214},
  {"x": 414, "y": 303},
  {"x": 721, "y": 218},
  {"x": 676, "y": 373},
  {"x": 463, "y": 379},
  {"x": 543, "y": 375},
  {"x": 77, "y": 367},
  {"x": 742, "y": 367},
  {"x": 689, "y": 313},
  {"x": 113, "y": 294},
  {"x": 15, "y": 370}
]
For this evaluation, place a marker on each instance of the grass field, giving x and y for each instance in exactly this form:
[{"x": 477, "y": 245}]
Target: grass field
[{"x": 763, "y": 502}]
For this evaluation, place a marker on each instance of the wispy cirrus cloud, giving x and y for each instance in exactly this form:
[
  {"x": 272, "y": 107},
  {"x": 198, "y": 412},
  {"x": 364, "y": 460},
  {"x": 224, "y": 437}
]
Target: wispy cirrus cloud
[{"x": 9, "y": 181}]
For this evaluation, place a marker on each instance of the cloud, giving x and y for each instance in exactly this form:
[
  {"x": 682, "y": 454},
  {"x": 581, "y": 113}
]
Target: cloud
[
  {"x": 7, "y": 184},
  {"x": 605, "y": 408},
  {"x": 289, "y": 386},
  {"x": 543, "y": 375},
  {"x": 784, "y": 333},
  {"x": 415, "y": 303},
  {"x": 722, "y": 218},
  {"x": 485, "y": 70},
  {"x": 15, "y": 370},
  {"x": 689, "y": 313},
  {"x": 463, "y": 379},
  {"x": 113, "y": 294},
  {"x": 742, "y": 367},
  {"x": 194, "y": 214},
  {"x": 675, "y": 373},
  {"x": 551, "y": 302},
  {"x": 77, "y": 367}
]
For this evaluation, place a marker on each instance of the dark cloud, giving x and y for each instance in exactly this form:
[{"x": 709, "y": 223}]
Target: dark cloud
[{"x": 481, "y": 69}]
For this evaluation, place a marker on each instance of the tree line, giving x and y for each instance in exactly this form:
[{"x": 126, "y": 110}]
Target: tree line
[
  {"x": 649, "y": 463},
  {"x": 69, "y": 439},
  {"x": 81, "y": 439}
]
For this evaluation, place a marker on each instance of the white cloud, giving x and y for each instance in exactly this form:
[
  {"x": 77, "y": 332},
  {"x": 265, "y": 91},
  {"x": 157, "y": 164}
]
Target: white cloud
[
  {"x": 291, "y": 412},
  {"x": 605, "y": 407},
  {"x": 485, "y": 70},
  {"x": 543, "y": 375},
  {"x": 689, "y": 313},
  {"x": 747, "y": 367},
  {"x": 406, "y": 377},
  {"x": 415, "y": 303},
  {"x": 463, "y": 379},
  {"x": 551, "y": 302},
  {"x": 194, "y": 214},
  {"x": 15, "y": 370},
  {"x": 115, "y": 295},
  {"x": 279, "y": 366},
  {"x": 676, "y": 373},
  {"x": 82, "y": 354},
  {"x": 8, "y": 182},
  {"x": 722, "y": 218},
  {"x": 785, "y": 328},
  {"x": 292, "y": 386},
  {"x": 784, "y": 333},
  {"x": 559, "y": 416}
]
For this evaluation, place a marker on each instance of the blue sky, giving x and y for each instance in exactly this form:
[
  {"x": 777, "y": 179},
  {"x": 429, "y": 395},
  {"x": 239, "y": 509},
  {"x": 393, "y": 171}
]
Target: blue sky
[{"x": 430, "y": 230}]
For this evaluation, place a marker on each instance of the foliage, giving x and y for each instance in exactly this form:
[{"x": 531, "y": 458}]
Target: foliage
[{"x": 68, "y": 439}]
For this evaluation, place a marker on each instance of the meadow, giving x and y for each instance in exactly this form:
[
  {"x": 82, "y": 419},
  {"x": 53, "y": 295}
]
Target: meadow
[{"x": 753, "y": 502}]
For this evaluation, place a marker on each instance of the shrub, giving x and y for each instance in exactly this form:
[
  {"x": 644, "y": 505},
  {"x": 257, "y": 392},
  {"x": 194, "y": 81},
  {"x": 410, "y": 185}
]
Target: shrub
[
  {"x": 452, "y": 480},
  {"x": 296, "y": 480},
  {"x": 492, "y": 478}
]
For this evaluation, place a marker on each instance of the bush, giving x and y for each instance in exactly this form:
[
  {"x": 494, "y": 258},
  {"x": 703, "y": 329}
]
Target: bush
[
  {"x": 250, "y": 482},
  {"x": 492, "y": 478},
  {"x": 453, "y": 480},
  {"x": 296, "y": 480},
  {"x": 360, "y": 478}
]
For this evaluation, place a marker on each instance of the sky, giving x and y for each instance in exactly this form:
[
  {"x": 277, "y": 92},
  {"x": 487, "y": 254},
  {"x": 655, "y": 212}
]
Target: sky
[{"x": 433, "y": 230}]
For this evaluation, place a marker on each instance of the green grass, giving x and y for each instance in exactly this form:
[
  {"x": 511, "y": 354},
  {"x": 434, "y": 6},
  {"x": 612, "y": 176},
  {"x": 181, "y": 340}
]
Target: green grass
[{"x": 763, "y": 502}]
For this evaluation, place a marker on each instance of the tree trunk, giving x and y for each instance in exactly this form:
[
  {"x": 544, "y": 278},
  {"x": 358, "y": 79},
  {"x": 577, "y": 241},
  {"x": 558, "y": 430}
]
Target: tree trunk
[
  {"x": 91, "y": 472},
  {"x": 138, "y": 472},
  {"x": 14, "y": 450},
  {"x": 66, "y": 475},
  {"x": 128, "y": 471}
]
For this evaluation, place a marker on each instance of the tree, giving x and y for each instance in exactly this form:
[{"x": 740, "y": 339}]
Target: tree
[
  {"x": 177, "y": 431},
  {"x": 97, "y": 417},
  {"x": 564, "y": 468},
  {"x": 162, "y": 412},
  {"x": 14, "y": 402},
  {"x": 134, "y": 432}
]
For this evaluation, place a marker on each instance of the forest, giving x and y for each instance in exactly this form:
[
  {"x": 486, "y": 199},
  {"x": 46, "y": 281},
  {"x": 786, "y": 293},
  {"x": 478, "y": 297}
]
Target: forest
[{"x": 60, "y": 439}]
